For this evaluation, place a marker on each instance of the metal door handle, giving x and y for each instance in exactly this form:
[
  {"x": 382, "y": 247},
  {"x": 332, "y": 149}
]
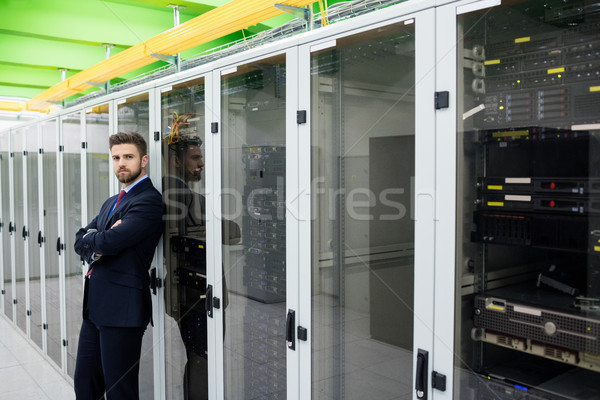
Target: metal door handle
[
  {"x": 290, "y": 324},
  {"x": 154, "y": 281},
  {"x": 209, "y": 301},
  {"x": 421, "y": 374}
]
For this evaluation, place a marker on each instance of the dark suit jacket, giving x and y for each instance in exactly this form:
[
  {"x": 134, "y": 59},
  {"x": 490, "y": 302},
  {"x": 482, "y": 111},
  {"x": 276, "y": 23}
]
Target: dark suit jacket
[{"x": 117, "y": 293}]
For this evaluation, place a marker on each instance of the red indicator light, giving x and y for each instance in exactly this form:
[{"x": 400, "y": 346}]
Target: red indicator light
[
  {"x": 552, "y": 204},
  {"x": 553, "y": 186}
]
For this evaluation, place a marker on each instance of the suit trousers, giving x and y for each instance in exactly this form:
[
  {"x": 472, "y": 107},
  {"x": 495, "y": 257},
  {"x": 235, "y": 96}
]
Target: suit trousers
[{"x": 108, "y": 362}]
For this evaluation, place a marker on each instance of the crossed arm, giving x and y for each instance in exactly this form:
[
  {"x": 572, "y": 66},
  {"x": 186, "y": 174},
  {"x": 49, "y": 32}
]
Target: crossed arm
[
  {"x": 131, "y": 229},
  {"x": 96, "y": 256}
]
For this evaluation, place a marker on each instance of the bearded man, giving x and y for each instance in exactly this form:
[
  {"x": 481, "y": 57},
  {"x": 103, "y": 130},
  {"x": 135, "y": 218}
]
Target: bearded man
[{"x": 119, "y": 247}]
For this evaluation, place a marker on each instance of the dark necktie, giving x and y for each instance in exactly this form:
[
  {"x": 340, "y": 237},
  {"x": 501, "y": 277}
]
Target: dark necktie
[{"x": 121, "y": 195}]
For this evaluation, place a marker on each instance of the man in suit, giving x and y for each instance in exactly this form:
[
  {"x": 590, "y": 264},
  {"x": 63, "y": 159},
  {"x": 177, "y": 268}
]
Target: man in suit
[{"x": 119, "y": 246}]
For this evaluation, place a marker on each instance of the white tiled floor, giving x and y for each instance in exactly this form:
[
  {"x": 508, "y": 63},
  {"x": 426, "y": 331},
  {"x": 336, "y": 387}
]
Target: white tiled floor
[{"x": 24, "y": 373}]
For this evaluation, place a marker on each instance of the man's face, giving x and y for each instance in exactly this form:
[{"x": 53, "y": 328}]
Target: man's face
[
  {"x": 127, "y": 163},
  {"x": 193, "y": 163}
]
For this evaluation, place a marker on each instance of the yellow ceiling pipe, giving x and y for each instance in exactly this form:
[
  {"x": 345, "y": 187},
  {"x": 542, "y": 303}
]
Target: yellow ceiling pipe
[
  {"x": 13, "y": 106},
  {"x": 221, "y": 21},
  {"x": 17, "y": 106}
]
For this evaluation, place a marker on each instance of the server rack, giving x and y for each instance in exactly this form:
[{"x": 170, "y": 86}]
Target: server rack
[
  {"x": 531, "y": 226},
  {"x": 264, "y": 272},
  {"x": 264, "y": 242}
]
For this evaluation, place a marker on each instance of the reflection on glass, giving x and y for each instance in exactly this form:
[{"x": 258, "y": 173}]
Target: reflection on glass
[
  {"x": 133, "y": 116},
  {"x": 19, "y": 224},
  {"x": 528, "y": 263},
  {"x": 253, "y": 186},
  {"x": 33, "y": 227},
  {"x": 5, "y": 214},
  {"x": 183, "y": 119},
  {"x": 362, "y": 163},
  {"x": 71, "y": 139},
  {"x": 50, "y": 182},
  {"x": 97, "y": 158}
]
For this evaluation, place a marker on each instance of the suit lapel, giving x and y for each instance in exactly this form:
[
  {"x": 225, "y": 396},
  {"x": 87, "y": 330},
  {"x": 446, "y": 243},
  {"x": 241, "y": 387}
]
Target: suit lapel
[
  {"x": 117, "y": 212},
  {"x": 105, "y": 216}
]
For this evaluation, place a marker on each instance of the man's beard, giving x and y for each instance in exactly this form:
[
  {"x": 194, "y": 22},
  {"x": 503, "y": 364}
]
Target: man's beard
[
  {"x": 130, "y": 177},
  {"x": 191, "y": 176}
]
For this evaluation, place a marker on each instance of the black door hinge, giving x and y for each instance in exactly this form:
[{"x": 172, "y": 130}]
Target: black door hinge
[
  {"x": 301, "y": 117},
  {"x": 156, "y": 136},
  {"x": 302, "y": 333},
  {"x": 214, "y": 127},
  {"x": 65, "y": 342},
  {"x": 45, "y": 326},
  {"x": 155, "y": 282},
  {"x": 28, "y": 313},
  {"x": 84, "y": 145},
  {"x": 438, "y": 381},
  {"x": 442, "y": 100}
]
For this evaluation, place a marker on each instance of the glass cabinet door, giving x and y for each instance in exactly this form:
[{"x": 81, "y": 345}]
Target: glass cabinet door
[
  {"x": 362, "y": 165},
  {"x": 183, "y": 186},
  {"x": 71, "y": 159},
  {"x": 253, "y": 120},
  {"x": 51, "y": 256},
  {"x": 98, "y": 166},
  {"x": 7, "y": 291},
  {"x": 20, "y": 278},
  {"x": 34, "y": 235},
  {"x": 528, "y": 195},
  {"x": 133, "y": 116}
]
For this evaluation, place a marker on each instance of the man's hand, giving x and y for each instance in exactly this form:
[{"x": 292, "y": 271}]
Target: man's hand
[{"x": 96, "y": 255}]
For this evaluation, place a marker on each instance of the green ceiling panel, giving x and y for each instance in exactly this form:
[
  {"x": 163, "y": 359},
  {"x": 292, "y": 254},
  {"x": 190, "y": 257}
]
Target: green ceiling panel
[
  {"x": 31, "y": 51},
  {"x": 15, "y": 91},
  {"x": 35, "y": 76},
  {"x": 39, "y": 36},
  {"x": 90, "y": 20}
]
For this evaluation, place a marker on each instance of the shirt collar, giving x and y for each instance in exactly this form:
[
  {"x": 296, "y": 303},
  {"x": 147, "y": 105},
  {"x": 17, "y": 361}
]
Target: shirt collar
[{"x": 138, "y": 180}]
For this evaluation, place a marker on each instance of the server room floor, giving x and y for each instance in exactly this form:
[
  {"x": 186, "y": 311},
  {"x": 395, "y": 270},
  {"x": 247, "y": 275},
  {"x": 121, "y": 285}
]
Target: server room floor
[
  {"x": 24, "y": 373},
  {"x": 373, "y": 369}
]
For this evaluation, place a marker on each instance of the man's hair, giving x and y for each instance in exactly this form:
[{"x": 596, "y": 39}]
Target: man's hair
[
  {"x": 129, "y": 138},
  {"x": 184, "y": 144}
]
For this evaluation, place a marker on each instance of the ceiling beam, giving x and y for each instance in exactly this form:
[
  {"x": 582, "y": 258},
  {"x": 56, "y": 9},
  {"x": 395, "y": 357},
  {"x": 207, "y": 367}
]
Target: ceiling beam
[{"x": 219, "y": 22}]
